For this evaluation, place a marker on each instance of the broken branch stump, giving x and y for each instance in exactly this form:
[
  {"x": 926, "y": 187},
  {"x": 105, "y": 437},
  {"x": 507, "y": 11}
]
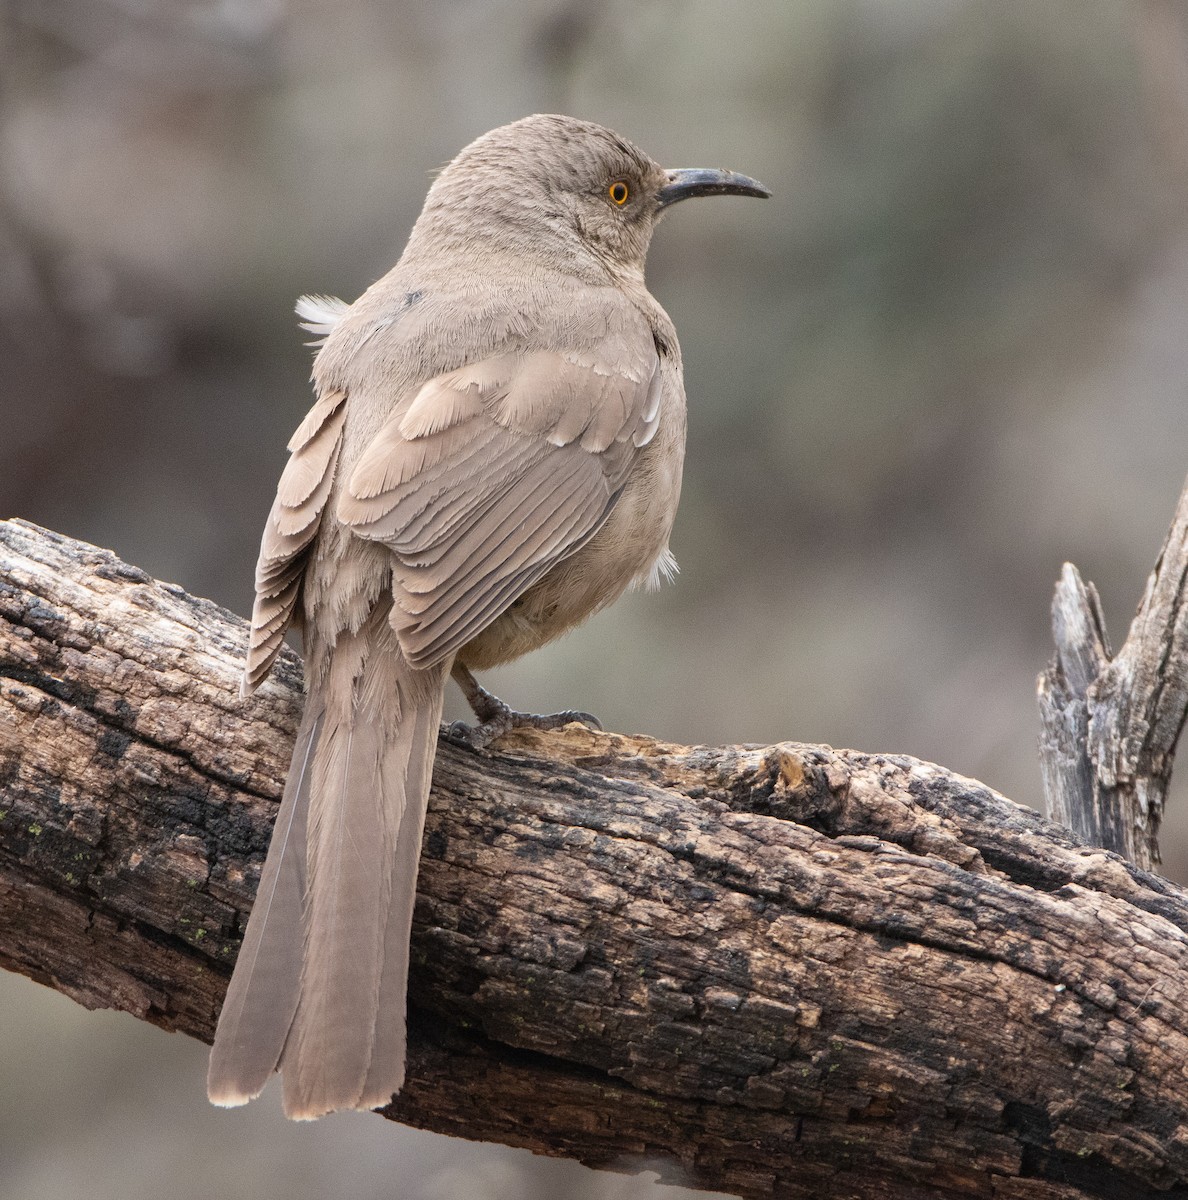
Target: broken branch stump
[{"x": 1110, "y": 723}]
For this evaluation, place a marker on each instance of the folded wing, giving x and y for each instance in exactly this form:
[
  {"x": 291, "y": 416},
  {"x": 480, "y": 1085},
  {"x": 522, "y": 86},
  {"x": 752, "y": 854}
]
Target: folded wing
[{"x": 489, "y": 475}]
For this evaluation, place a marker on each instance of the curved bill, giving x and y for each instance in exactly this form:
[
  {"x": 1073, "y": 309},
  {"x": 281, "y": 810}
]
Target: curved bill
[{"x": 686, "y": 182}]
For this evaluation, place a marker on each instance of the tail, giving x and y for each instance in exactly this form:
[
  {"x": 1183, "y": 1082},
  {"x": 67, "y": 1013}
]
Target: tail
[{"x": 318, "y": 991}]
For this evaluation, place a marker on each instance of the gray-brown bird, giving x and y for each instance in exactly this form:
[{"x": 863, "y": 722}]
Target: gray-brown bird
[{"x": 495, "y": 454}]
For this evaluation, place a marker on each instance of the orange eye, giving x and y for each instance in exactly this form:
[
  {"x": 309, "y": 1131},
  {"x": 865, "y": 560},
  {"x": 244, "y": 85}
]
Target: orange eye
[{"x": 618, "y": 192}]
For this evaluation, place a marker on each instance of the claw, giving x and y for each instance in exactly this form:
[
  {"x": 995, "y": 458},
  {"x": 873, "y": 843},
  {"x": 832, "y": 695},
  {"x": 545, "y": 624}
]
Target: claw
[{"x": 497, "y": 718}]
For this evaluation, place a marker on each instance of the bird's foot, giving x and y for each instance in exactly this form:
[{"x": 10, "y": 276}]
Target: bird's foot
[
  {"x": 495, "y": 718},
  {"x": 480, "y": 736}
]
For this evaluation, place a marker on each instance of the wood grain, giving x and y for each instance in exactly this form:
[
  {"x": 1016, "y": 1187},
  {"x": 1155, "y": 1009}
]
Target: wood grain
[{"x": 1110, "y": 723}]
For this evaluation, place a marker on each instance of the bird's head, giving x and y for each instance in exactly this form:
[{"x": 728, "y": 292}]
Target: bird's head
[{"x": 562, "y": 187}]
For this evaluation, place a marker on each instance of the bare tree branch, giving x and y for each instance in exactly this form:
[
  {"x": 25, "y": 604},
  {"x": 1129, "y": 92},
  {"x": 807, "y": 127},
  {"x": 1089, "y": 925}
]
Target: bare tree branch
[
  {"x": 799, "y": 972},
  {"x": 1111, "y": 723}
]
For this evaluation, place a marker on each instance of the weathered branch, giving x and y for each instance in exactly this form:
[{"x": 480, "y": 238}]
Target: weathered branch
[
  {"x": 1110, "y": 723},
  {"x": 799, "y": 972}
]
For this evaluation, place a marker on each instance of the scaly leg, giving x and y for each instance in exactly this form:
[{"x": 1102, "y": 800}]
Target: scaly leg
[{"x": 496, "y": 718}]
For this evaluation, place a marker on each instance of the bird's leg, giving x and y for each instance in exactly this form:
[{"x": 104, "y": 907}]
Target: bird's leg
[{"x": 496, "y": 718}]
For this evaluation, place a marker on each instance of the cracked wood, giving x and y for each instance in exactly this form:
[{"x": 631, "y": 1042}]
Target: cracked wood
[
  {"x": 1110, "y": 723},
  {"x": 799, "y": 972}
]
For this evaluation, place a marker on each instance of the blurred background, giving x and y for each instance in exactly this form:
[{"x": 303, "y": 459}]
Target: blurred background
[{"x": 947, "y": 356}]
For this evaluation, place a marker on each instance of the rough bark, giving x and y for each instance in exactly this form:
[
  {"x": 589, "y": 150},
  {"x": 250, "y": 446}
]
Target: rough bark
[
  {"x": 797, "y": 971},
  {"x": 1110, "y": 723}
]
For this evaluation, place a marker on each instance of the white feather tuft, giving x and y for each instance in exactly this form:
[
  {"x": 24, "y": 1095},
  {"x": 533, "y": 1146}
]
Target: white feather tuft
[
  {"x": 321, "y": 314},
  {"x": 663, "y": 570}
]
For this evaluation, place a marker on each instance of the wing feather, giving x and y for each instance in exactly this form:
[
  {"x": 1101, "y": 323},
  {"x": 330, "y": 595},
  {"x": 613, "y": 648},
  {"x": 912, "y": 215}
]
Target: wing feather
[
  {"x": 541, "y": 500},
  {"x": 292, "y": 523},
  {"x": 443, "y": 627},
  {"x": 442, "y": 506},
  {"x": 316, "y": 418}
]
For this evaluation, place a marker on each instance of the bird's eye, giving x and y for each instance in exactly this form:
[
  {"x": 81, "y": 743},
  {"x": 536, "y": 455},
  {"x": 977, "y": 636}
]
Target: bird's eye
[{"x": 618, "y": 192}]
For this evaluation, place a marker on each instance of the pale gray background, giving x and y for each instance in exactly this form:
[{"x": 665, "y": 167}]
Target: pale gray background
[{"x": 948, "y": 355}]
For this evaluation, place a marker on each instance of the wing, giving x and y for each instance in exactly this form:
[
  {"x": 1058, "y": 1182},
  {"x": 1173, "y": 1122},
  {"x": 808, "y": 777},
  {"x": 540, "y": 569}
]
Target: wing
[
  {"x": 491, "y": 474},
  {"x": 292, "y": 523}
]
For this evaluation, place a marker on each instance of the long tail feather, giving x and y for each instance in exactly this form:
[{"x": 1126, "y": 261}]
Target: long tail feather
[
  {"x": 318, "y": 991},
  {"x": 370, "y": 786},
  {"x": 262, "y": 996},
  {"x": 386, "y": 1075}
]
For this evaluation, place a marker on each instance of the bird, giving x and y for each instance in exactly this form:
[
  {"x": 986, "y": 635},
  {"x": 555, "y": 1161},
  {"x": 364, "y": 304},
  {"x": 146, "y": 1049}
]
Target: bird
[{"x": 494, "y": 454}]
